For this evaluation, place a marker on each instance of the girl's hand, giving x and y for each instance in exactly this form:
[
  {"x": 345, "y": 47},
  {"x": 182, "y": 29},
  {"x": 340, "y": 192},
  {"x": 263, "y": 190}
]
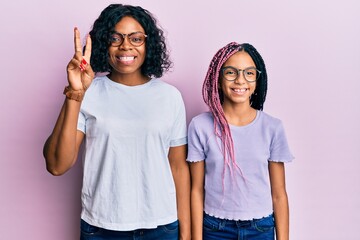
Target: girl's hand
[{"x": 79, "y": 71}]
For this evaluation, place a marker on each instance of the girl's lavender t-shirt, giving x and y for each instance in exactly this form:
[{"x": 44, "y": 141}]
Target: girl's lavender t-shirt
[{"x": 261, "y": 141}]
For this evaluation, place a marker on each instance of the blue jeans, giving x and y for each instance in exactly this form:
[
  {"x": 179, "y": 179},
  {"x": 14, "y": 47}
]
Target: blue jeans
[
  {"x": 257, "y": 229},
  {"x": 166, "y": 232}
]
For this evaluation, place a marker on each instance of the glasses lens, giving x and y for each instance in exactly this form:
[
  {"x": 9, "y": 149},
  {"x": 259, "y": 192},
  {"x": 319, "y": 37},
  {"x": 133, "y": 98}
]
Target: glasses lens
[
  {"x": 230, "y": 73},
  {"x": 137, "y": 38},
  {"x": 251, "y": 74},
  {"x": 116, "y": 39}
]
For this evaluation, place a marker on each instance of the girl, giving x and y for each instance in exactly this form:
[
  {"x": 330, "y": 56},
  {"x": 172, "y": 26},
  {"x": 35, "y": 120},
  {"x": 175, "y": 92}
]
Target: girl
[
  {"x": 237, "y": 153},
  {"x": 136, "y": 182}
]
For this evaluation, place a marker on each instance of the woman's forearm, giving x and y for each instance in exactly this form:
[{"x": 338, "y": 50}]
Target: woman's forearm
[{"x": 60, "y": 149}]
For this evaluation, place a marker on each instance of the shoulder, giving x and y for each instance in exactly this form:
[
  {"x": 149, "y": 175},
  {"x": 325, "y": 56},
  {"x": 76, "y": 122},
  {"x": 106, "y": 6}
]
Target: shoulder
[
  {"x": 205, "y": 116},
  {"x": 201, "y": 128},
  {"x": 95, "y": 90},
  {"x": 202, "y": 121},
  {"x": 166, "y": 90},
  {"x": 97, "y": 82},
  {"x": 99, "y": 79},
  {"x": 270, "y": 123},
  {"x": 160, "y": 84},
  {"x": 268, "y": 119}
]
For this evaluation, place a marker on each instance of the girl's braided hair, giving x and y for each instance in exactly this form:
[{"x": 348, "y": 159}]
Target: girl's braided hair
[{"x": 213, "y": 95}]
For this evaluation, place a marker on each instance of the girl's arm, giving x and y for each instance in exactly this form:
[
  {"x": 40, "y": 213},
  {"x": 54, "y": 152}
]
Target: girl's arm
[
  {"x": 181, "y": 175},
  {"x": 197, "y": 171},
  {"x": 280, "y": 200}
]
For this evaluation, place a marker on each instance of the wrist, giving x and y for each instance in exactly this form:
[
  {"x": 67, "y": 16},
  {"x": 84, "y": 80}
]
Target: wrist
[{"x": 76, "y": 95}]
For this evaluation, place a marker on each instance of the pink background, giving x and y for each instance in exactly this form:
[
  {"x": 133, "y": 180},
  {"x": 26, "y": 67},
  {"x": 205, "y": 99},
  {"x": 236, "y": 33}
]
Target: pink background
[{"x": 312, "y": 52}]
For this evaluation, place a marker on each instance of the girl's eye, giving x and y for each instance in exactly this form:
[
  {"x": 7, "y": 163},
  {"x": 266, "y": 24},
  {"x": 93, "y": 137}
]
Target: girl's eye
[
  {"x": 250, "y": 72},
  {"x": 230, "y": 72}
]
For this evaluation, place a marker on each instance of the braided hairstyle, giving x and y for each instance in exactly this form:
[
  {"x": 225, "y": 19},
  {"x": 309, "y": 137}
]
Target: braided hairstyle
[
  {"x": 214, "y": 97},
  {"x": 157, "y": 59}
]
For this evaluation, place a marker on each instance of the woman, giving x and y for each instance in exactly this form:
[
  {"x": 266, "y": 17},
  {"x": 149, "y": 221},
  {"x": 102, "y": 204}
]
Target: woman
[
  {"x": 133, "y": 126},
  {"x": 237, "y": 153}
]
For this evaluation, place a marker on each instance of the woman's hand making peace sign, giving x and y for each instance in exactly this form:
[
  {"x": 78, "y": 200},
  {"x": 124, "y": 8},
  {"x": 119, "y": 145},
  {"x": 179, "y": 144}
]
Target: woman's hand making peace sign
[{"x": 79, "y": 71}]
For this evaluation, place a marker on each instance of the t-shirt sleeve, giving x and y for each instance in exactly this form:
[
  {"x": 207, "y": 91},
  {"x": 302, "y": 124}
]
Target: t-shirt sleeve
[
  {"x": 196, "y": 151},
  {"x": 279, "y": 148},
  {"x": 81, "y": 126},
  {"x": 178, "y": 136}
]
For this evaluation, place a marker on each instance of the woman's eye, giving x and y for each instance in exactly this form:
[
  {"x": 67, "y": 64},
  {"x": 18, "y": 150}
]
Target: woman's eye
[
  {"x": 115, "y": 39},
  {"x": 136, "y": 39}
]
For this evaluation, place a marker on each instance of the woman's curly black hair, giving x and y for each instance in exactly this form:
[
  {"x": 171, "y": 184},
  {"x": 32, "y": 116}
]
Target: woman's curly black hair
[{"x": 157, "y": 59}]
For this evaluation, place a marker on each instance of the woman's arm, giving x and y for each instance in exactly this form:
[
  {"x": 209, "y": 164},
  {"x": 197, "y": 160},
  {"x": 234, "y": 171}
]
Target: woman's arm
[
  {"x": 280, "y": 200},
  {"x": 197, "y": 171},
  {"x": 181, "y": 175},
  {"x": 62, "y": 146}
]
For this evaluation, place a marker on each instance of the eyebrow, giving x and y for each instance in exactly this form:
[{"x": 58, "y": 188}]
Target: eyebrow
[
  {"x": 113, "y": 32},
  {"x": 239, "y": 68}
]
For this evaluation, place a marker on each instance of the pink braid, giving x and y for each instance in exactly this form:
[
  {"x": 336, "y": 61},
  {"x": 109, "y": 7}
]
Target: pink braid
[{"x": 210, "y": 92}]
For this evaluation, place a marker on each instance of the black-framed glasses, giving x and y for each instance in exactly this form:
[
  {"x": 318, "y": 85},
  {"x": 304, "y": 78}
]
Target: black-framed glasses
[
  {"x": 136, "y": 38},
  {"x": 251, "y": 74}
]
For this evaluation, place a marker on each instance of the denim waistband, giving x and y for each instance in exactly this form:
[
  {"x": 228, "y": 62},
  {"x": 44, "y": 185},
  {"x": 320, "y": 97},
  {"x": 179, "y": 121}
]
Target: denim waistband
[{"x": 239, "y": 223}]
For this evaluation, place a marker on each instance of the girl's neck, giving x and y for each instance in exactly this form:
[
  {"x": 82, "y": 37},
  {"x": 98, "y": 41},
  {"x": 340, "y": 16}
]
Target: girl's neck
[
  {"x": 239, "y": 115},
  {"x": 133, "y": 79}
]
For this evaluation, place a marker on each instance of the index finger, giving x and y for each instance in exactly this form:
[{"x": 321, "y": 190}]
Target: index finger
[
  {"x": 77, "y": 42},
  {"x": 87, "y": 53}
]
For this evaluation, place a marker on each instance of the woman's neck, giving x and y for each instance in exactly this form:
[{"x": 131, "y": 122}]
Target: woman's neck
[{"x": 132, "y": 79}]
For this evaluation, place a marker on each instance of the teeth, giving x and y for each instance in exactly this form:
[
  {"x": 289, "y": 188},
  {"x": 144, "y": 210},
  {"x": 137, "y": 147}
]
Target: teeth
[
  {"x": 239, "y": 90},
  {"x": 126, "y": 58}
]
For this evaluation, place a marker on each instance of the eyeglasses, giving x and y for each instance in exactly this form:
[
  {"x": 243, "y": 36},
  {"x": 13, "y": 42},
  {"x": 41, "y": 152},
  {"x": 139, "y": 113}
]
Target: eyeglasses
[
  {"x": 136, "y": 38},
  {"x": 251, "y": 74}
]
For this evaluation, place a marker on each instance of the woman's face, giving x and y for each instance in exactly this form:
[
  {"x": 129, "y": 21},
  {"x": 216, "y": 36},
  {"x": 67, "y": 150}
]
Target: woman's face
[
  {"x": 126, "y": 58},
  {"x": 239, "y": 90}
]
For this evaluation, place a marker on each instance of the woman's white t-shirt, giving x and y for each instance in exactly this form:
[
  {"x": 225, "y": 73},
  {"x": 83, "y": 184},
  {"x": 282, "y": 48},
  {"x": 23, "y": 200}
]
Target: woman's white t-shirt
[{"x": 127, "y": 180}]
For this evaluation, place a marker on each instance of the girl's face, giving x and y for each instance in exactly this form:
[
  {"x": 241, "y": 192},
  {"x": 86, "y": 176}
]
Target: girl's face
[
  {"x": 239, "y": 90},
  {"x": 127, "y": 59}
]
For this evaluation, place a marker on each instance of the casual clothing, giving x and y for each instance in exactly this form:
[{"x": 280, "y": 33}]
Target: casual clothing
[
  {"x": 166, "y": 232},
  {"x": 237, "y": 197},
  {"x": 127, "y": 182},
  {"x": 256, "y": 229}
]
